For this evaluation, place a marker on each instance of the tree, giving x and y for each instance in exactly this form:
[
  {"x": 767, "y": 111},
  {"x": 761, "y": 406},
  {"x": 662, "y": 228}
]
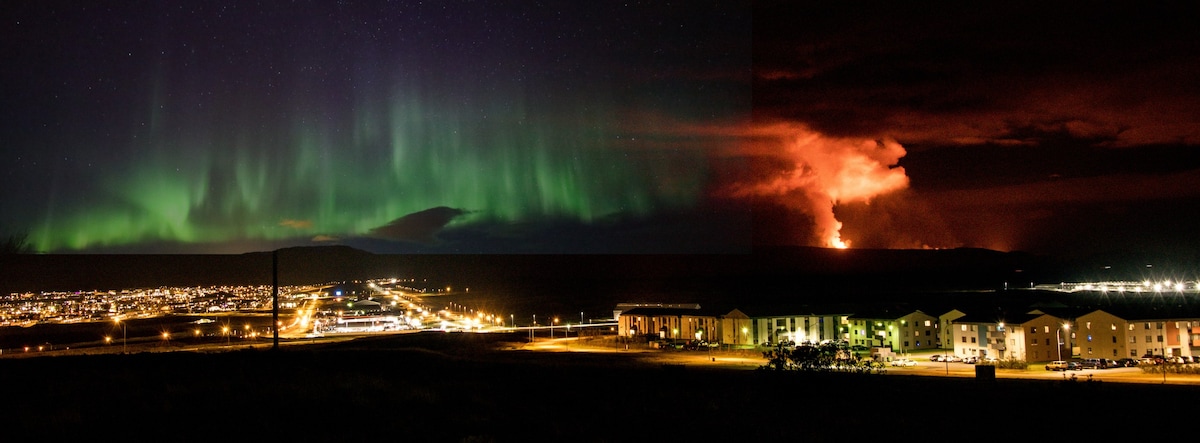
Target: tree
[{"x": 825, "y": 357}]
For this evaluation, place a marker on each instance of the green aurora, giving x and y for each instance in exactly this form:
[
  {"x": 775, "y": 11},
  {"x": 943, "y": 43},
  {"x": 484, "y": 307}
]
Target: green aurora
[
  {"x": 228, "y": 127},
  {"x": 213, "y": 177}
]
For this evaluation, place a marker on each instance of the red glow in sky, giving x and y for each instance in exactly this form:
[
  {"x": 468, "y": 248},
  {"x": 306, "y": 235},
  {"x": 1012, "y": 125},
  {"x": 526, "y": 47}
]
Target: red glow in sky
[{"x": 823, "y": 172}]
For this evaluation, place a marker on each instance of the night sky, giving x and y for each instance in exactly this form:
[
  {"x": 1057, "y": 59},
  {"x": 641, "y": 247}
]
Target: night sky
[{"x": 598, "y": 127}]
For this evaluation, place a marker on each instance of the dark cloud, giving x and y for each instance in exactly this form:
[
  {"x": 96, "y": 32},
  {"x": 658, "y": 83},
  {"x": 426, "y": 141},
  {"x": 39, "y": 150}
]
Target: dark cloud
[
  {"x": 1043, "y": 127},
  {"x": 950, "y": 72},
  {"x": 418, "y": 227}
]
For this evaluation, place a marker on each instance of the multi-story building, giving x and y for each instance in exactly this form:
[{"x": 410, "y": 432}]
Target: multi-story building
[
  {"x": 1147, "y": 334},
  {"x": 729, "y": 328},
  {"x": 945, "y": 332},
  {"x": 798, "y": 328},
  {"x": 1099, "y": 334},
  {"x": 669, "y": 323},
  {"x": 733, "y": 328},
  {"x": 899, "y": 329},
  {"x": 1032, "y": 336}
]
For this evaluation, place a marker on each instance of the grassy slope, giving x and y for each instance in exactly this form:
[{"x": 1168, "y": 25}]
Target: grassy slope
[{"x": 452, "y": 387}]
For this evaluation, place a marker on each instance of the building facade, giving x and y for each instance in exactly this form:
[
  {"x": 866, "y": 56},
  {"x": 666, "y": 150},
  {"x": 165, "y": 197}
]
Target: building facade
[
  {"x": 796, "y": 328},
  {"x": 906, "y": 332}
]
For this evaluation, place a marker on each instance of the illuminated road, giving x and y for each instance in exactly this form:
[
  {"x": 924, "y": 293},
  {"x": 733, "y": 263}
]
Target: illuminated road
[{"x": 302, "y": 320}]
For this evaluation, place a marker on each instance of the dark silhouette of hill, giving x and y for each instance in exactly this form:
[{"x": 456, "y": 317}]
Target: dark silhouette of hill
[{"x": 767, "y": 271}]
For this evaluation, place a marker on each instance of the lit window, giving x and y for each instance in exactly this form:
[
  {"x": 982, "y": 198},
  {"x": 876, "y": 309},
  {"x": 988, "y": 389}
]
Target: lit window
[
  {"x": 1047, "y": 329},
  {"x": 927, "y": 322},
  {"x": 1114, "y": 326},
  {"x": 964, "y": 327},
  {"x": 1089, "y": 325}
]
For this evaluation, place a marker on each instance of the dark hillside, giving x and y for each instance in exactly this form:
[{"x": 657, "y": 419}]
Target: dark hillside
[{"x": 780, "y": 270}]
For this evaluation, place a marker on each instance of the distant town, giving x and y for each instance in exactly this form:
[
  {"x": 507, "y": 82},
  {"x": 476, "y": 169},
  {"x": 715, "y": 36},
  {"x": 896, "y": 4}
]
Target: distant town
[{"x": 30, "y": 308}]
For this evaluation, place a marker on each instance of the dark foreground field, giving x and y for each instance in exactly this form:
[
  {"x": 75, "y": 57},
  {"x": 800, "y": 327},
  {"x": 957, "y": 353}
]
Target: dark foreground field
[{"x": 454, "y": 387}]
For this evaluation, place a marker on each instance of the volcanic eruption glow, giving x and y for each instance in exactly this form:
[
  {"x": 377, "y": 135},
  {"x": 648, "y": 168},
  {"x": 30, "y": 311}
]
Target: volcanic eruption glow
[{"x": 823, "y": 172}]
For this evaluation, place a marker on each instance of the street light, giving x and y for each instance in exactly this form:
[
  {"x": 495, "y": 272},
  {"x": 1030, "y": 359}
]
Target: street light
[
  {"x": 124, "y": 334},
  {"x": 1003, "y": 340},
  {"x": 1058, "y": 338}
]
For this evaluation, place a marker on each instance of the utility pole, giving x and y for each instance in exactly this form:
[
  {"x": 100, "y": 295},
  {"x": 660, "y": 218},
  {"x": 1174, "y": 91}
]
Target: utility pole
[{"x": 275, "y": 298}]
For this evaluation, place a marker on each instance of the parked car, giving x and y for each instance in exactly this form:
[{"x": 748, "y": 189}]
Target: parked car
[
  {"x": 952, "y": 358},
  {"x": 989, "y": 360},
  {"x": 1110, "y": 363},
  {"x": 1091, "y": 363},
  {"x": 1056, "y": 365},
  {"x": 1127, "y": 362},
  {"x": 970, "y": 360},
  {"x": 904, "y": 362},
  {"x": 936, "y": 357},
  {"x": 1074, "y": 366}
]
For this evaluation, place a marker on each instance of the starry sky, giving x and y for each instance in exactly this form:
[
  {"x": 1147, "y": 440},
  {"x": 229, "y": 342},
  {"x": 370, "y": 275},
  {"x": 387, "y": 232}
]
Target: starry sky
[{"x": 597, "y": 127}]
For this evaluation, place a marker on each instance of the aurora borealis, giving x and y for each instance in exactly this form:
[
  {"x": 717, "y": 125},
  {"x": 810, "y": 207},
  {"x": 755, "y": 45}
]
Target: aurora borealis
[
  {"x": 606, "y": 127},
  {"x": 222, "y": 123}
]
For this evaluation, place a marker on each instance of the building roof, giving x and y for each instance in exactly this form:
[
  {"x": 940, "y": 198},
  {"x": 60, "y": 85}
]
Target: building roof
[
  {"x": 1016, "y": 318},
  {"x": 661, "y": 312},
  {"x": 885, "y": 312}
]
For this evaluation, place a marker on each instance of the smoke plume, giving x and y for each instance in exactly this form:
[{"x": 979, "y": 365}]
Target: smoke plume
[{"x": 820, "y": 172}]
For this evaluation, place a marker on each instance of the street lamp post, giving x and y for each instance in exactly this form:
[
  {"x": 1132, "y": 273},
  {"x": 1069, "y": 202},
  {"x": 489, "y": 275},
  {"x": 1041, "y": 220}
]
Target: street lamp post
[
  {"x": 124, "y": 334},
  {"x": 1058, "y": 338}
]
